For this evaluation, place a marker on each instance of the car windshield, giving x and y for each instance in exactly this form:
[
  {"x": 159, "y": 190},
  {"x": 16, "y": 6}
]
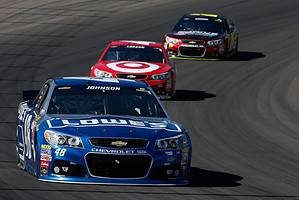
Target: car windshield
[
  {"x": 105, "y": 100},
  {"x": 135, "y": 53},
  {"x": 200, "y": 24}
]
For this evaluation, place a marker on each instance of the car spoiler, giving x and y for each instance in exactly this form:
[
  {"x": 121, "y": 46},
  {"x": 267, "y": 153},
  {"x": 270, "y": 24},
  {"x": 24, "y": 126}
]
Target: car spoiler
[{"x": 29, "y": 95}]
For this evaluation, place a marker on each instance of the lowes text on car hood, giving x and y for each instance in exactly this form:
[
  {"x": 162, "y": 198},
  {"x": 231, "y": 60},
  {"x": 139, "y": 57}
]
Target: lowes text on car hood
[{"x": 123, "y": 122}]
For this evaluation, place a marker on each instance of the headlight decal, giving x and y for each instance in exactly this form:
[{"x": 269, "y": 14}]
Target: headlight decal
[
  {"x": 215, "y": 42},
  {"x": 102, "y": 74},
  {"x": 61, "y": 139},
  {"x": 172, "y": 143},
  {"x": 163, "y": 76},
  {"x": 172, "y": 40}
]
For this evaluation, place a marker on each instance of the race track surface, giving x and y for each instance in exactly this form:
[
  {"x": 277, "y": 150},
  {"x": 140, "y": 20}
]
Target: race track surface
[{"x": 242, "y": 115}]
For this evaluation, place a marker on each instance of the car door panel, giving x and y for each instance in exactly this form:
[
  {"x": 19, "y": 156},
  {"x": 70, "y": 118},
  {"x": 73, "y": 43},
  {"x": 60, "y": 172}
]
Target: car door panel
[
  {"x": 27, "y": 115},
  {"x": 25, "y": 146}
]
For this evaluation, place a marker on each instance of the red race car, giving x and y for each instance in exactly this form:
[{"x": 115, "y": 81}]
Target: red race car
[
  {"x": 139, "y": 60},
  {"x": 202, "y": 36}
]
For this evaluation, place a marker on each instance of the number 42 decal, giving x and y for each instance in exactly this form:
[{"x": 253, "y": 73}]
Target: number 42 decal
[{"x": 60, "y": 152}]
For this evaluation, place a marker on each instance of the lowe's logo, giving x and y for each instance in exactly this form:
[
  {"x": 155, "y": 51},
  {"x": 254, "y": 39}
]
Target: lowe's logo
[{"x": 61, "y": 123}]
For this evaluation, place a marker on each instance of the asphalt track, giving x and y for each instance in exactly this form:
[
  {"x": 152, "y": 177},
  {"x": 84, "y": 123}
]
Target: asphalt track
[{"x": 242, "y": 114}]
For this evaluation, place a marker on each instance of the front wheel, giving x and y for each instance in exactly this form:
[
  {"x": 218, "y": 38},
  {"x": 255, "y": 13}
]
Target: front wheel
[
  {"x": 20, "y": 163},
  {"x": 235, "y": 51}
]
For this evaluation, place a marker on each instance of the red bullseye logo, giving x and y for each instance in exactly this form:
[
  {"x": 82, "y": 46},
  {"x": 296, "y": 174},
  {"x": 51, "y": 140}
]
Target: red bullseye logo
[{"x": 132, "y": 67}]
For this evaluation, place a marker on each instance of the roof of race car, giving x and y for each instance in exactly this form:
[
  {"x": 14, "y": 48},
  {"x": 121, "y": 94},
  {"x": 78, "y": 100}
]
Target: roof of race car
[
  {"x": 63, "y": 81},
  {"x": 133, "y": 42}
]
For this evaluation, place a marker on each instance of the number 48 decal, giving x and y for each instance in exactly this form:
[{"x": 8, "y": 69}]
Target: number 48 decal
[{"x": 60, "y": 152}]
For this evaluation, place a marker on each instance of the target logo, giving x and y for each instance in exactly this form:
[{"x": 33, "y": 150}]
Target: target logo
[{"x": 132, "y": 67}]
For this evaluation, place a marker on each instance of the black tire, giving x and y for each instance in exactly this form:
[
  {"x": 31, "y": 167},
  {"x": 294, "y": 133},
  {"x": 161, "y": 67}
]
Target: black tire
[
  {"x": 20, "y": 163},
  {"x": 235, "y": 53}
]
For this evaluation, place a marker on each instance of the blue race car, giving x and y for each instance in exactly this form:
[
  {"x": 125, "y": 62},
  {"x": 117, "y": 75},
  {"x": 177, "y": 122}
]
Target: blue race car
[{"x": 103, "y": 131}]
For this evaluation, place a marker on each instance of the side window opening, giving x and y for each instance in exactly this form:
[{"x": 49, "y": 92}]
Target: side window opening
[
  {"x": 41, "y": 97},
  {"x": 226, "y": 25}
]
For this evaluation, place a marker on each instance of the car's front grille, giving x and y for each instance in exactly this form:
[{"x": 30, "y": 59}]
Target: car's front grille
[
  {"x": 118, "y": 166},
  {"x": 132, "y": 76},
  {"x": 192, "y": 51},
  {"x": 194, "y": 42},
  {"x": 119, "y": 142}
]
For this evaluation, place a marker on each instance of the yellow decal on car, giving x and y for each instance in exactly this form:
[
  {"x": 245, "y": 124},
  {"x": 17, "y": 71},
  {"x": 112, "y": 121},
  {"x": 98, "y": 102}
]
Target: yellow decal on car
[{"x": 204, "y": 14}]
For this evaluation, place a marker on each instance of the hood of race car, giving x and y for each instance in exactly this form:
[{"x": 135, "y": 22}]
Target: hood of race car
[
  {"x": 194, "y": 35},
  {"x": 132, "y": 67},
  {"x": 113, "y": 126}
]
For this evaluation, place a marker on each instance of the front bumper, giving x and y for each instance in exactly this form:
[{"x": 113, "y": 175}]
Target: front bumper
[
  {"x": 164, "y": 168},
  {"x": 195, "y": 51},
  {"x": 79, "y": 180}
]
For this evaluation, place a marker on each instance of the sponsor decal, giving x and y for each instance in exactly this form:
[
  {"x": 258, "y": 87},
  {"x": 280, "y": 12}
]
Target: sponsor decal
[
  {"x": 56, "y": 170},
  {"x": 61, "y": 123},
  {"x": 45, "y": 152},
  {"x": 44, "y": 171},
  {"x": 201, "y": 19},
  {"x": 192, "y": 42},
  {"x": 138, "y": 42},
  {"x": 142, "y": 90},
  {"x": 36, "y": 120},
  {"x": 107, "y": 80},
  {"x": 44, "y": 164},
  {"x": 118, "y": 151},
  {"x": 65, "y": 169},
  {"x": 131, "y": 76},
  {"x": 98, "y": 87},
  {"x": 44, "y": 146},
  {"x": 46, "y": 158},
  {"x": 132, "y": 67},
  {"x": 169, "y": 153},
  {"x": 64, "y": 88},
  {"x": 119, "y": 144},
  {"x": 203, "y": 33},
  {"x": 135, "y": 46}
]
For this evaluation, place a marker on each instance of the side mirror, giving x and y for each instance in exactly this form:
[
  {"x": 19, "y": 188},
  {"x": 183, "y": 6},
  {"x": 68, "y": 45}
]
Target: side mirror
[{"x": 29, "y": 95}]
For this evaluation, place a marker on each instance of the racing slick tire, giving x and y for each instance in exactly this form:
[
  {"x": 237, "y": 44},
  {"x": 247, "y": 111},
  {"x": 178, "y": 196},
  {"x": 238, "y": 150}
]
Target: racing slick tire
[{"x": 235, "y": 51}]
